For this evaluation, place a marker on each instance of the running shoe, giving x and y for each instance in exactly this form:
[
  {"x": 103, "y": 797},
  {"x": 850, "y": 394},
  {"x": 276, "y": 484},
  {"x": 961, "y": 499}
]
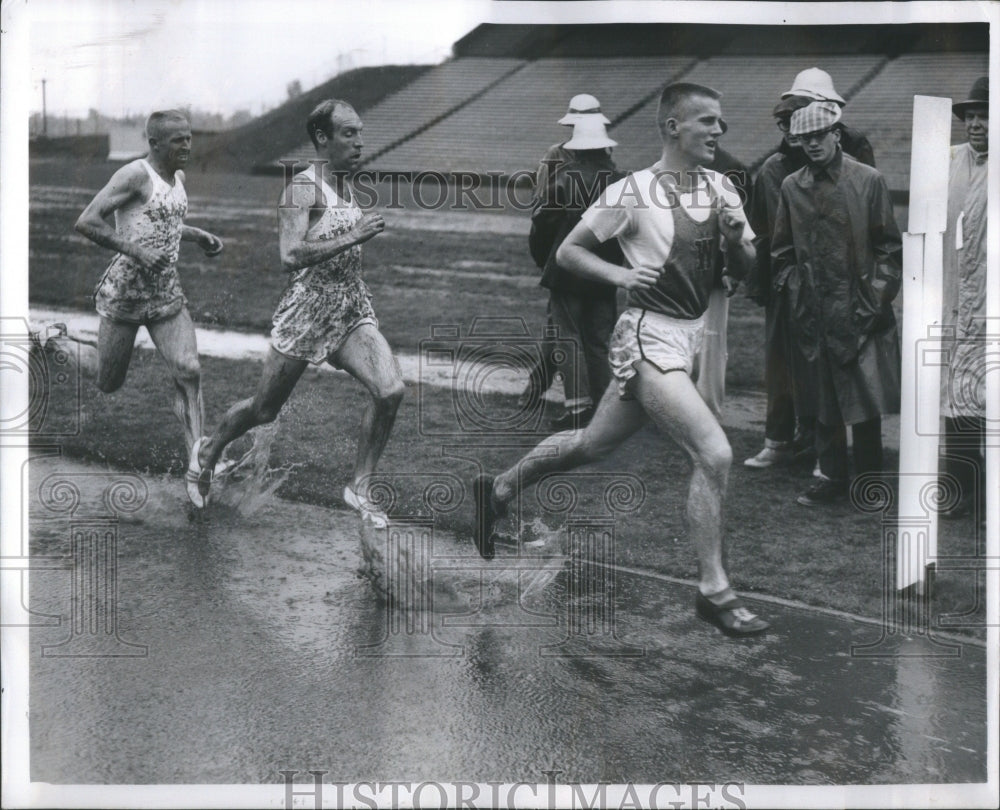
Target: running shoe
[
  {"x": 197, "y": 478},
  {"x": 486, "y": 515},
  {"x": 732, "y": 618}
]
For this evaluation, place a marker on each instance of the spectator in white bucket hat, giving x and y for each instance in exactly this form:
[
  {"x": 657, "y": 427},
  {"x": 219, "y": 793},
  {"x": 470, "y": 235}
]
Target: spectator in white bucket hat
[{"x": 582, "y": 107}]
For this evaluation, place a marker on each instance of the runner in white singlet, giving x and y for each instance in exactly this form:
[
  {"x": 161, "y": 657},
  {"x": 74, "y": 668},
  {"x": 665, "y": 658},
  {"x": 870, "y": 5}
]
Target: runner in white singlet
[
  {"x": 671, "y": 221},
  {"x": 141, "y": 286},
  {"x": 325, "y": 313}
]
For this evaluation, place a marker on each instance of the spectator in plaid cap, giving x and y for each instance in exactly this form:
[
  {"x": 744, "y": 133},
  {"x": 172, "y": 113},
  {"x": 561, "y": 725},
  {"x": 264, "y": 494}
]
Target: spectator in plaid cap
[
  {"x": 837, "y": 250},
  {"x": 788, "y": 429}
]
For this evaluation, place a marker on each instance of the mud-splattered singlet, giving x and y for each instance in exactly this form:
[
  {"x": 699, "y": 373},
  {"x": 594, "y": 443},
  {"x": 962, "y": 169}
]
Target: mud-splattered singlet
[
  {"x": 128, "y": 292},
  {"x": 324, "y": 302}
]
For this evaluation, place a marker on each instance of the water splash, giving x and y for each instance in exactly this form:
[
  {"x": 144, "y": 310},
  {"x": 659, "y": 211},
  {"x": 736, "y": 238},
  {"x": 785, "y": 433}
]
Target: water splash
[{"x": 249, "y": 483}]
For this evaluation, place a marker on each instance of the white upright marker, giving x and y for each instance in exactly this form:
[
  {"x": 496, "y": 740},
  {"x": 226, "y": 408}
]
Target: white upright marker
[{"x": 923, "y": 352}]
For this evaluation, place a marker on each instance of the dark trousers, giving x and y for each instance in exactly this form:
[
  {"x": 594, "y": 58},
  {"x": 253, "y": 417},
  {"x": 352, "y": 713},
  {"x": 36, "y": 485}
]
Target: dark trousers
[
  {"x": 963, "y": 457},
  {"x": 786, "y": 377},
  {"x": 831, "y": 448},
  {"x": 587, "y": 321}
]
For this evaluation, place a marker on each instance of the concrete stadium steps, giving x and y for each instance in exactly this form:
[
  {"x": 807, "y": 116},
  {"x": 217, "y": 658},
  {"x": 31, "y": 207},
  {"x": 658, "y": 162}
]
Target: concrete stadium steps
[
  {"x": 883, "y": 109},
  {"x": 419, "y": 103},
  {"x": 509, "y": 127},
  {"x": 750, "y": 87}
]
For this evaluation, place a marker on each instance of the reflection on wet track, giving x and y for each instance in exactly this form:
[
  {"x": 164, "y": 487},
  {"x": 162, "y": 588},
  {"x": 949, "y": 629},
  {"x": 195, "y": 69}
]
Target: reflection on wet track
[{"x": 263, "y": 649}]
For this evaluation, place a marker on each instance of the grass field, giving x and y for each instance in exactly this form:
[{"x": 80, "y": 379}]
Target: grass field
[{"x": 421, "y": 277}]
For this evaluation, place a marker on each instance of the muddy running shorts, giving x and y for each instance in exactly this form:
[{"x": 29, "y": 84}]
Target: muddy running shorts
[
  {"x": 669, "y": 344},
  {"x": 313, "y": 321}
]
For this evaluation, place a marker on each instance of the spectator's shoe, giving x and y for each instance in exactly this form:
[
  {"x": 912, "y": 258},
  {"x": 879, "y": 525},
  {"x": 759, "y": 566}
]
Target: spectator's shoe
[
  {"x": 572, "y": 421},
  {"x": 369, "y": 512},
  {"x": 732, "y": 618},
  {"x": 823, "y": 492},
  {"x": 486, "y": 515},
  {"x": 773, "y": 455}
]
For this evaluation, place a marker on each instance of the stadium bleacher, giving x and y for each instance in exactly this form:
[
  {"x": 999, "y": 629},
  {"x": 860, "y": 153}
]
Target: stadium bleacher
[
  {"x": 432, "y": 95},
  {"x": 484, "y": 111},
  {"x": 884, "y": 108},
  {"x": 501, "y": 131},
  {"x": 750, "y": 86}
]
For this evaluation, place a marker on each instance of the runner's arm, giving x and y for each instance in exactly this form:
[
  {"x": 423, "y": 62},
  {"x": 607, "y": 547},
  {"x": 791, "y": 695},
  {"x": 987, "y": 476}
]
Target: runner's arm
[
  {"x": 293, "y": 226},
  {"x": 577, "y": 254},
  {"x": 737, "y": 236},
  {"x": 208, "y": 242},
  {"x": 128, "y": 183}
]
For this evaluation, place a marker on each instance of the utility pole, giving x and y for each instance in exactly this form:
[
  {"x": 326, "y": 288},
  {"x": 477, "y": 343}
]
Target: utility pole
[{"x": 45, "y": 115}]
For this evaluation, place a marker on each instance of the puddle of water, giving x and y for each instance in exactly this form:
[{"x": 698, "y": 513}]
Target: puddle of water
[{"x": 264, "y": 644}]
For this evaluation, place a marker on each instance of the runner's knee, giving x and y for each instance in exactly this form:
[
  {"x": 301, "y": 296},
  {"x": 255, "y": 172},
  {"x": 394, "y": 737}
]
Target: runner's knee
[
  {"x": 187, "y": 370},
  {"x": 391, "y": 395},
  {"x": 715, "y": 455}
]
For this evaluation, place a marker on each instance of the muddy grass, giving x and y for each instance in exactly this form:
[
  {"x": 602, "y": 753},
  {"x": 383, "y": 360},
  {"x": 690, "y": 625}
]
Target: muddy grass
[
  {"x": 832, "y": 557},
  {"x": 428, "y": 270}
]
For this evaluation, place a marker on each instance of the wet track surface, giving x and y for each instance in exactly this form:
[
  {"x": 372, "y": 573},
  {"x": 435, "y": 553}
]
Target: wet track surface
[{"x": 248, "y": 644}]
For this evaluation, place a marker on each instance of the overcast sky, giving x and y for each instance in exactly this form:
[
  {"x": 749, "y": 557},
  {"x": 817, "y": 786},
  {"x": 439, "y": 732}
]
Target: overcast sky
[
  {"x": 121, "y": 56},
  {"x": 131, "y": 56}
]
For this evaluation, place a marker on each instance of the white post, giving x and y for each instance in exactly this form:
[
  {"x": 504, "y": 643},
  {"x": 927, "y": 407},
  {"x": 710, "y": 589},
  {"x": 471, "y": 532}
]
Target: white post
[{"x": 921, "y": 348}]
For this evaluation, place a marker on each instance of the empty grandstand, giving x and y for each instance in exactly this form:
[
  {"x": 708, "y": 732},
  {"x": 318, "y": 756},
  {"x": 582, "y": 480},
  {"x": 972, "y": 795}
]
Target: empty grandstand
[{"x": 493, "y": 107}]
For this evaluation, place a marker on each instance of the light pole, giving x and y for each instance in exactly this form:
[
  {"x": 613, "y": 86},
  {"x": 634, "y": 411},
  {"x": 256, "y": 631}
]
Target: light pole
[{"x": 45, "y": 116}]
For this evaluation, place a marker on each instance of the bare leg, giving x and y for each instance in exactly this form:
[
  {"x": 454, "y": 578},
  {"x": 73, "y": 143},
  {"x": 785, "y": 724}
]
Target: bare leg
[
  {"x": 115, "y": 341},
  {"x": 367, "y": 357},
  {"x": 674, "y": 404},
  {"x": 174, "y": 338},
  {"x": 616, "y": 419},
  {"x": 276, "y": 383}
]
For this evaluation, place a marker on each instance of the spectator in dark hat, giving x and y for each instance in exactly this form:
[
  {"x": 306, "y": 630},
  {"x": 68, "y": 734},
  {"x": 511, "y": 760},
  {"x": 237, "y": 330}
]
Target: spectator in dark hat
[{"x": 964, "y": 295}]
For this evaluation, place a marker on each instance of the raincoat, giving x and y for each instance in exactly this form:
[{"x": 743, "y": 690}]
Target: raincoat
[
  {"x": 964, "y": 292},
  {"x": 837, "y": 248}
]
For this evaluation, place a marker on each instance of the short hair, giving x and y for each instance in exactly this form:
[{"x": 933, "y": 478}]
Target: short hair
[
  {"x": 156, "y": 120},
  {"x": 321, "y": 118},
  {"x": 674, "y": 95}
]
